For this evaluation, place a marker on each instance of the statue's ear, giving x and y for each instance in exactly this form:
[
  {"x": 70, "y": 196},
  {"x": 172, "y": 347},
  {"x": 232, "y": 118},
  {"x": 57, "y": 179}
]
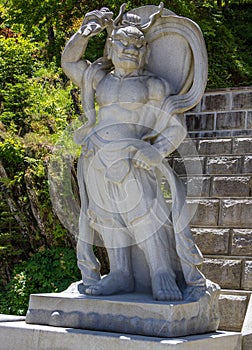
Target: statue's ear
[{"x": 147, "y": 54}]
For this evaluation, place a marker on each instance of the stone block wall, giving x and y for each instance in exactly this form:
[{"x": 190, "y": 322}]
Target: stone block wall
[
  {"x": 222, "y": 112},
  {"x": 215, "y": 164}
]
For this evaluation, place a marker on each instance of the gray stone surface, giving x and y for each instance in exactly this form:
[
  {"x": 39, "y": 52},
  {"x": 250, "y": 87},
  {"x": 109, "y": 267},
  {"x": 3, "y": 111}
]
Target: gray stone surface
[
  {"x": 22, "y": 336},
  {"x": 127, "y": 313},
  {"x": 242, "y": 145},
  {"x": 216, "y": 102},
  {"x": 226, "y": 272},
  {"x": 247, "y": 276},
  {"x": 242, "y": 242},
  {"x": 233, "y": 310},
  {"x": 230, "y": 120},
  {"x": 242, "y": 100},
  {"x": 204, "y": 211},
  {"x": 231, "y": 110},
  {"x": 212, "y": 240},
  {"x": 11, "y": 318},
  {"x": 200, "y": 121},
  {"x": 215, "y": 146},
  {"x": 231, "y": 186},
  {"x": 223, "y": 165},
  {"x": 197, "y": 186},
  {"x": 247, "y": 341},
  {"x": 187, "y": 148},
  {"x": 189, "y": 165},
  {"x": 236, "y": 212},
  {"x": 249, "y": 120},
  {"x": 247, "y": 164},
  {"x": 247, "y": 328}
]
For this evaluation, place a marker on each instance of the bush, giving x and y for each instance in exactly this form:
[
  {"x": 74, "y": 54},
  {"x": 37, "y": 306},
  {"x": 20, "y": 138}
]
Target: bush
[{"x": 47, "y": 271}]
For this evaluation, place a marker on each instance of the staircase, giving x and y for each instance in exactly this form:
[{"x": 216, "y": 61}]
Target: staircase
[{"x": 215, "y": 164}]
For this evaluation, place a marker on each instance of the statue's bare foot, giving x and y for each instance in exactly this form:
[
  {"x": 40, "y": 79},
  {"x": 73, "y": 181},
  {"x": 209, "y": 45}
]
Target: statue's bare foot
[
  {"x": 194, "y": 293},
  {"x": 165, "y": 288},
  {"x": 113, "y": 283}
]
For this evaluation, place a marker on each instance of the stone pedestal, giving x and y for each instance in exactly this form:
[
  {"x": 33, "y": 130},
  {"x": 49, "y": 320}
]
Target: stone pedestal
[
  {"x": 127, "y": 313},
  {"x": 22, "y": 336}
]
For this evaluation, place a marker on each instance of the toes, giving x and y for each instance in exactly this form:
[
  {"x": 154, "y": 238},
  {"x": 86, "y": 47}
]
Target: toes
[
  {"x": 168, "y": 295},
  {"x": 178, "y": 296},
  {"x": 92, "y": 290},
  {"x": 165, "y": 288}
]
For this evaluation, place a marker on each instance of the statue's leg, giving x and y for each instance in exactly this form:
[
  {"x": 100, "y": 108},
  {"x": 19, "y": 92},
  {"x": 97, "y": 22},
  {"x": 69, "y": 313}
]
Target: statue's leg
[
  {"x": 120, "y": 278},
  {"x": 159, "y": 257}
]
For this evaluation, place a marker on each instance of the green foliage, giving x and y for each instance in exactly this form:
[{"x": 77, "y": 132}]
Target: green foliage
[
  {"x": 33, "y": 97},
  {"x": 226, "y": 26},
  {"x": 17, "y": 57},
  {"x": 18, "y": 61},
  {"x": 13, "y": 245},
  {"x": 238, "y": 21},
  {"x": 36, "y": 106},
  {"x": 226, "y": 62},
  {"x": 12, "y": 153},
  {"x": 51, "y": 270}
]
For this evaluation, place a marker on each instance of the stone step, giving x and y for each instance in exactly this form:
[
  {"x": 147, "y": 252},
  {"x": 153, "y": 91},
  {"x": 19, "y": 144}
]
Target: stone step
[
  {"x": 22, "y": 336},
  {"x": 224, "y": 212},
  {"x": 219, "y": 212},
  {"x": 236, "y": 145},
  {"x": 223, "y": 241},
  {"x": 231, "y": 186},
  {"x": 234, "y": 309},
  {"x": 219, "y": 124},
  {"x": 239, "y": 164},
  {"x": 212, "y": 165},
  {"x": 230, "y": 272},
  {"x": 221, "y": 113},
  {"x": 217, "y": 186}
]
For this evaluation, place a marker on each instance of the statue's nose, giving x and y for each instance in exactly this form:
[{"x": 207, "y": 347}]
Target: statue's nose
[{"x": 131, "y": 50}]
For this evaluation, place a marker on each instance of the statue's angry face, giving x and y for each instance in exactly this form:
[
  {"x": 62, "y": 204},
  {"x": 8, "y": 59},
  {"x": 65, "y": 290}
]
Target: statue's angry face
[{"x": 128, "y": 48}]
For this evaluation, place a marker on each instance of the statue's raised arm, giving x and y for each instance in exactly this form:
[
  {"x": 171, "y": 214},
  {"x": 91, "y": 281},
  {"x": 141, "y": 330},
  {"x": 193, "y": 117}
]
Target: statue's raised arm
[{"x": 72, "y": 60}]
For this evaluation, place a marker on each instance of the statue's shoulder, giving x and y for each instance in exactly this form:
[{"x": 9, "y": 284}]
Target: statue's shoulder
[
  {"x": 157, "y": 86},
  {"x": 177, "y": 53},
  {"x": 97, "y": 71}
]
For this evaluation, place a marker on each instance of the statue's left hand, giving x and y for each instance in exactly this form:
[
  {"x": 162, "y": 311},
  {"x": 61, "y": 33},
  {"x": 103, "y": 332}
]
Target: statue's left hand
[{"x": 147, "y": 157}]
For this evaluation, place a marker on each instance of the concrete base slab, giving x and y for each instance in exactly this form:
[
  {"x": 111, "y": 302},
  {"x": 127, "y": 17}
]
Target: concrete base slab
[
  {"x": 11, "y": 318},
  {"x": 126, "y": 313},
  {"x": 23, "y": 336},
  {"x": 247, "y": 328}
]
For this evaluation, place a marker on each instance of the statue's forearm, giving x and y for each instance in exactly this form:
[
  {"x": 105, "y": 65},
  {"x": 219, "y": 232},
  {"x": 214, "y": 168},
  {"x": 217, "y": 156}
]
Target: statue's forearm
[
  {"x": 72, "y": 61},
  {"x": 169, "y": 140},
  {"x": 74, "y": 49}
]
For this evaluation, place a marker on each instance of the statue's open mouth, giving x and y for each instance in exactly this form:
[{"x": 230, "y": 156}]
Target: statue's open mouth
[{"x": 130, "y": 56}]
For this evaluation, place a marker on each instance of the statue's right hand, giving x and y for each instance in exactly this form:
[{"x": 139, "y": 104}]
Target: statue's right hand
[
  {"x": 90, "y": 29},
  {"x": 95, "y": 21}
]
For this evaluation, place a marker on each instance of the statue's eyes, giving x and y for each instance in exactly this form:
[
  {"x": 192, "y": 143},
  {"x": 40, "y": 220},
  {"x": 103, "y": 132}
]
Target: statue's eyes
[
  {"x": 124, "y": 42},
  {"x": 136, "y": 44}
]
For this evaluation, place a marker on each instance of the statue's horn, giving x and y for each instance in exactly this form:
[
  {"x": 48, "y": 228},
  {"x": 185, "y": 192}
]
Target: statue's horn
[
  {"x": 153, "y": 17},
  {"x": 120, "y": 15}
]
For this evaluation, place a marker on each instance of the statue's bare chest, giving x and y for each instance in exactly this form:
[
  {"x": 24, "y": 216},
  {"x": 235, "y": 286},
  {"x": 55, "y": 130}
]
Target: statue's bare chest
[{"x": 129, "y": 92}]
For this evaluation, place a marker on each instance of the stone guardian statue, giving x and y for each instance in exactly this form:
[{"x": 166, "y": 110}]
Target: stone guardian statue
[{"x": 154, "y": 68}]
